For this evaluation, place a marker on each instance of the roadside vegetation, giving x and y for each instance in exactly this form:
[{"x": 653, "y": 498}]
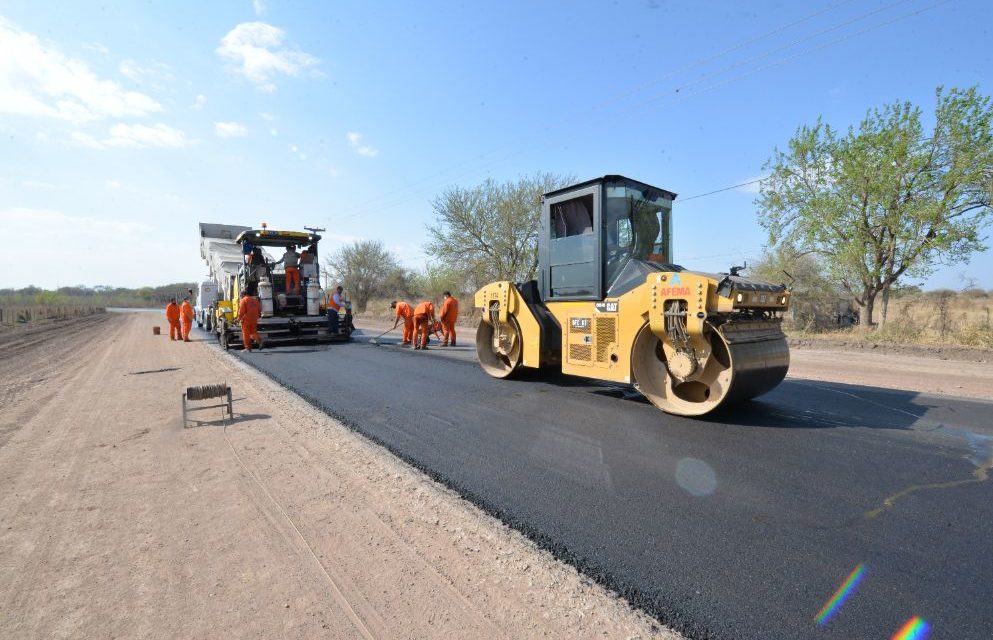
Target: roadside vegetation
[
  {"x": 30, "y": 304},
  {"x": 885, "y": 202},
  {"x": 857, "y": 221},
  {"x": 942, "y": 316}
]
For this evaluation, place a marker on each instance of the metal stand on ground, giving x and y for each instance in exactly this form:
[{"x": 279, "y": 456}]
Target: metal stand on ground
[{"x": 207, "y": 392}]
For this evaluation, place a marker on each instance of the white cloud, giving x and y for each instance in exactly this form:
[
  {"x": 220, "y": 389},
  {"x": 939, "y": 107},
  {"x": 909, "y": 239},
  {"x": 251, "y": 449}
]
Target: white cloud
[
  {"x": 113, "y": 184},
  {"x": 38, "y": 80},
  {"x": 154, "y": 75},
  {"x": 136, "y": 136},
  {"x": 254, "y": 50},
  {"x": 273, "y": 132},
  {"x": 199, "y": 103},
  {"x": 259, "y": 7},
  {"x": 294, "y": 148},
  {"x": 332, "y": 172},
  {"x": 230, "y": 130},
  {"x": 355, "y": 141},
  {"x": 109, "y": 244},
  {"x": 267, "y": 116}
]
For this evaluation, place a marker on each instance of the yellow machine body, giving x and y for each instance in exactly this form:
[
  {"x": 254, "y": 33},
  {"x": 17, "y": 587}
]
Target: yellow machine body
[{"x": 689, "y": 342}]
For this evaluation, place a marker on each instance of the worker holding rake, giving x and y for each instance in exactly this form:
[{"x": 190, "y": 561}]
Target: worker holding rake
[{"x": 405, "y": 313}]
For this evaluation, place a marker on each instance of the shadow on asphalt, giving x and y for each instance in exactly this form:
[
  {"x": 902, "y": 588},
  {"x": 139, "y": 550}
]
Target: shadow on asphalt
[
  {"x": 275, "y": 350},
  {"x": 794, "y": 404}
]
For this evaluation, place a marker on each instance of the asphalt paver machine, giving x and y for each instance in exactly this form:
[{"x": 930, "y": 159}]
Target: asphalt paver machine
[{"x": 289, "y": 315}]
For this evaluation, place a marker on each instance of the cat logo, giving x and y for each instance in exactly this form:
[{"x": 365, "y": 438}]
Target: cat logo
[{"x": 606, "y": 307}]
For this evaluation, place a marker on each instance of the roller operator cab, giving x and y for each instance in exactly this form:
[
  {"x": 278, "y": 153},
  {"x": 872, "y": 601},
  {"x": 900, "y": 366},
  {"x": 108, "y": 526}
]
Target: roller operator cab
[{"x": 610, "y": 303}]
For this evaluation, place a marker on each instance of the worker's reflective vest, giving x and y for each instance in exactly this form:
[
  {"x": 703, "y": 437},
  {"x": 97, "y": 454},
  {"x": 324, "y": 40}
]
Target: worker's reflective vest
[{"x": 332, "y": 304}]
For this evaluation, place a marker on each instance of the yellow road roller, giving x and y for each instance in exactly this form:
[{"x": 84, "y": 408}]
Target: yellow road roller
[{"x": 610, "y": 303}]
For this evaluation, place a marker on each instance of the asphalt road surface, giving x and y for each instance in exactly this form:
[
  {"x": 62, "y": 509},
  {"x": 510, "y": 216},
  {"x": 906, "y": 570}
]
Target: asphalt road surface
[{"x": 740, "y": 525}]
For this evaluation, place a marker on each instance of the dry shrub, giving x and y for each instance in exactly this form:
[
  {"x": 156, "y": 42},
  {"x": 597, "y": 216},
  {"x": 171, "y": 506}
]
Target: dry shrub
[
  {"x": 901, "y": 331},
  {"x": 975, "y": 335}
]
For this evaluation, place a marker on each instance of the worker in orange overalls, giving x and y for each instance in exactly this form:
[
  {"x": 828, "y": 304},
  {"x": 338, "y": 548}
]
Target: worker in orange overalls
[
  {"x": 291, "y": 266},
  {"x": 249, "y": 312},
  {"x": 172, "y": 315},
  {"x": 423, "y": 319},
  {"x": 186, "y": 316},
  {"x": 449, "y": 314},
  {"x": 406, "y": 313}
]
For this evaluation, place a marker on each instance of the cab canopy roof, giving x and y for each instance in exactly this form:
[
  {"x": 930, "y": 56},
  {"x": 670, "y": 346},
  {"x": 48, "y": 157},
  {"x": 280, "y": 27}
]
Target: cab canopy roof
[
  {"x": 271, "y": 238},
  {"x": 647, "y": 189}
]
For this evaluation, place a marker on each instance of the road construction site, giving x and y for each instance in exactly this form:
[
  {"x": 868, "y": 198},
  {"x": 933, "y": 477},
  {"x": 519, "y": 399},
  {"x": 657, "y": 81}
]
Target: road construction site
[
  {"x": 118, "y": 522},
  {"x": 525, "y": 507},
  {"x": 740, "y": 525}
]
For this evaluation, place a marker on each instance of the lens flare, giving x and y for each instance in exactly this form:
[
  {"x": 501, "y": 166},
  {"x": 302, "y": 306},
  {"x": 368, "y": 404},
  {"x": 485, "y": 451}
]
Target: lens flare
[
  {"x": 914, "y": 629},
  {"x": 839, "y": 597}
]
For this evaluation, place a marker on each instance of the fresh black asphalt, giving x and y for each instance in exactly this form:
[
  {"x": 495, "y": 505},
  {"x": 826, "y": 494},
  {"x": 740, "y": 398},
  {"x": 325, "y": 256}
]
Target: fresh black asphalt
[{"x": 740, "y": 525}]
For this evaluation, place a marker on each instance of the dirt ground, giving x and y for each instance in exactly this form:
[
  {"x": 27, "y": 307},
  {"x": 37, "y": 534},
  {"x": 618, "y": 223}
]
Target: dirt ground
[
  {"x": 965, "y": 374},
  {"x": 115, "y": 521},
  {"x": 118, "y": 522}
]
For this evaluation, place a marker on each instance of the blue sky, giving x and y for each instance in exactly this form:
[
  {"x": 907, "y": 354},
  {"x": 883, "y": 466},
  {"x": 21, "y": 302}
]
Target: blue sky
[{"x": 123, "y": 125}]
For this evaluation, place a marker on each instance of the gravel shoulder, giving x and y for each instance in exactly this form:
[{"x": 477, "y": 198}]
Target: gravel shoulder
[{"x": 116, "y": 521}]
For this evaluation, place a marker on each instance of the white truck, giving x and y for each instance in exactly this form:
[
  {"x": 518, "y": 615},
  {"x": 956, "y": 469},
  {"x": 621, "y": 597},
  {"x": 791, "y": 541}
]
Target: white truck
[{"x": 206, "y": 301}]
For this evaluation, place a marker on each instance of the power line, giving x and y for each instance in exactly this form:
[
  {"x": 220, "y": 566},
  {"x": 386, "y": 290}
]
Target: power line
[
  {"x": 710, "y": 193},
  {"x": 785, "y": 47},
  {"x": 804, "y": 52},
  {"x": 559, "y": 124},
  {"x": 360, "y": 209},
  {"x": 724, "y": 52}
]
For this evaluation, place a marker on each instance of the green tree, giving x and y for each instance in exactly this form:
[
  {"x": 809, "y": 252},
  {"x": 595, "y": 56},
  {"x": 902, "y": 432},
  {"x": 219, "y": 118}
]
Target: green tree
[
  {"x": 490, "y": 231},
  {"x": 49, "y": 298},
  {"x": 435, "y": 279},
  {"x": 814, "y": 296},
  {"x": 366, "y": 269},
  {"x": 889, "y": 198}
]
